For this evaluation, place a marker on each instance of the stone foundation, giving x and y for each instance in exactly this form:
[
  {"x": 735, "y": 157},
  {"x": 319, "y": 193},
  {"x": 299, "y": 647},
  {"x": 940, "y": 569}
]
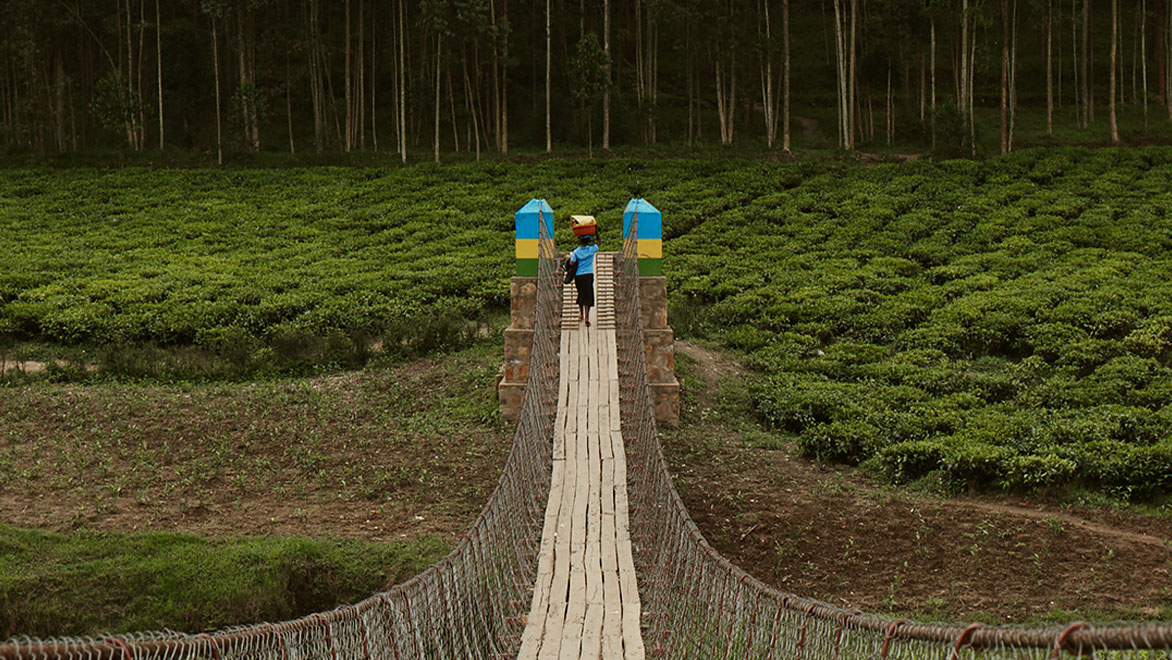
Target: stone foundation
[
  {"x": 659, "y": 344},
  {"x": 518, "y": 346},
  {"x": 658, "y": 338}
]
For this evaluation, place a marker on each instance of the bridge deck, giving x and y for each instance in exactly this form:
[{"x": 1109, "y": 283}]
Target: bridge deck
[{"x": 585, "y": 604}]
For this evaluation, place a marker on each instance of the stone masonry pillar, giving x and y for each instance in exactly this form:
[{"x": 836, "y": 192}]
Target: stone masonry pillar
[
  {"x": 523, "y": 308},
  {"x": 658, "y": 336}
]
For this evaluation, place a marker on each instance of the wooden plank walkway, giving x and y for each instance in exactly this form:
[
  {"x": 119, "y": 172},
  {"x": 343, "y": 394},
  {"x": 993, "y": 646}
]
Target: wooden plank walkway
[{"x": 585, "y": 603}]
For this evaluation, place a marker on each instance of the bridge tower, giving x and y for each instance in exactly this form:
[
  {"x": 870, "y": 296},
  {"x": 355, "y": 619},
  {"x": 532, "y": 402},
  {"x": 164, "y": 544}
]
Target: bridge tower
[
  {"x": 658, "y": 336},
  {"x": 523, "y": 303}
]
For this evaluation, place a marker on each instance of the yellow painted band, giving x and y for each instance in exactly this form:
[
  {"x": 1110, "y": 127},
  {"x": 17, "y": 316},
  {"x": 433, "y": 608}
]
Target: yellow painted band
[
  {"x": 527, "y": 248},
  {"x": 650, "y": 248}
]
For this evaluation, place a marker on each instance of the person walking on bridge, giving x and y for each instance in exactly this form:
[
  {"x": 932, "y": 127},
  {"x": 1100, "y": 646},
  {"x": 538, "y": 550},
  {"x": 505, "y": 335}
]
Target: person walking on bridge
[{"x": 583, "y": 257}]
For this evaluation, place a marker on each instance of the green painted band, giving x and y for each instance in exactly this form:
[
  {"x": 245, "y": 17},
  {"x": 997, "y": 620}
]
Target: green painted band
[
  {"x": 650, "y": 267},
  {"x": 527, "y": 268}
]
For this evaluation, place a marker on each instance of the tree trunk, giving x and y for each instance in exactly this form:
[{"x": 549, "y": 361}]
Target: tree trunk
[
  {"x": 639, "y": 84},
  {"x": 962, "y": 87},
  {"x": 853, "y": 77},
  {"x": 653, "y": 76},
  {"x": 469, "y": 101},
  {"x": 606, "y": 92},
  {"x": 1004, "y": 107},
  {"x": 402, "y": 84},
  {"x": 769, "y": 109},
  {"x": 548, "y": 66},
  {"x": 969, "y": 94},
  {"x": 289, "y": 102},
  {"x": 439, "y": 38},
  {"x": 1076, "y": 65},
  {"x": 932, "y": 76},
  {"x": 1114, "y": 56},
  {"x": 1049, "y": 68},
  {"x": 219, "y": 122},
  {"x": 889, "y": 127},
  {"x": 58, "y": 96},
  {"x": 840, "y": 69},
  {"x": 138, "y": 75},
  {"x": 1143, "y": 60},
  {"x": 691, "y": 80},
  {"x": 316, "y": 91},
  {"x": 243, "y": 75},
  {"x": 159, "y": 67},
  {"x": 452, "y": 100},
  {"x": 374, "y": 79},
  {"x": 347, "y": 140},
  {"x": 1088, "y": 84},
  {"x": 360, "y": 80},
  {"x": 505, "y": 82},
  {"x": 1166, "y": 61},
  {"x": 1012, "y": 75},
  {"x": 785, "y": 144}
]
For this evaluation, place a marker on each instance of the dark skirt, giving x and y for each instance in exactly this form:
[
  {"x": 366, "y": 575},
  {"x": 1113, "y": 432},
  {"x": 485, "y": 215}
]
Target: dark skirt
[{"x": 585, "y": 284}]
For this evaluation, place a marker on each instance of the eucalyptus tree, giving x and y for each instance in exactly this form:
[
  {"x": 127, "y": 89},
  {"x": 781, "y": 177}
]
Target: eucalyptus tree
[
  {"x": 216, "y": 10},
  {"x": 588, "y": 78},
  {"x": 434, "y": 19}
]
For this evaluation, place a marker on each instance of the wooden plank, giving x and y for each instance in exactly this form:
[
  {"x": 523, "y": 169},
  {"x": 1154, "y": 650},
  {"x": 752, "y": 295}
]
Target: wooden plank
[
  {"x": 592, "y": 631},
  {"x": 612, "y": 629},
  {"x": 607, "y": 490},
  {"x": 575, "y": 612},
  {"x": 571, "y": 420},
  {"x": 576, "y": 602},
  {"x": 559, "y": 426},
  {"x": 628, "y": 587},
  {"x": 632, "y": 635},
  {"x": 535, "y": 626},
  {"x": 612, "y": 341},
  {"x": 612, "y": 617},
  {"x": 583, "y": 355},
  {"x": 554, "y": 627},
  {"x": 620, "y": 457}
]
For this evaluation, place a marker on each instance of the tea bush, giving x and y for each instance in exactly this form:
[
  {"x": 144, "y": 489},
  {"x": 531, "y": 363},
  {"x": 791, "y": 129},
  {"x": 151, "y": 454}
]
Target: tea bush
[{"x": 988, "y": 324}]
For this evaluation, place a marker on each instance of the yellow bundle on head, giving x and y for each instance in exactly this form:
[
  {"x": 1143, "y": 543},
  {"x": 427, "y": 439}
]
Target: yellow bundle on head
[{"x": 583, "y": 225}]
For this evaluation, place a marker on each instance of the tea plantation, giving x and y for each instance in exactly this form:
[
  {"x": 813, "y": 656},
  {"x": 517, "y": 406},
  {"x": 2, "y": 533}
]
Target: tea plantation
[{"x": 995, "y": 324}]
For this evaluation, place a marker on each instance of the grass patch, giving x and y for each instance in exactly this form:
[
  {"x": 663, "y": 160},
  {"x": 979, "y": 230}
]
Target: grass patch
[{"x": 87, "y": 582}]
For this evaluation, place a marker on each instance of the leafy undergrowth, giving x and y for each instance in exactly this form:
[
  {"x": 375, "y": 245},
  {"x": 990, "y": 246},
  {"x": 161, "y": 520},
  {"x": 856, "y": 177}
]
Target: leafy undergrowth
[
  {"x": 88, "y": 582},
  {"x": 838, "y": 534},
  {"x": 997, "y": 325},
  {"x": 388, "y": 465},
  {"x": 994, "y": 325}
]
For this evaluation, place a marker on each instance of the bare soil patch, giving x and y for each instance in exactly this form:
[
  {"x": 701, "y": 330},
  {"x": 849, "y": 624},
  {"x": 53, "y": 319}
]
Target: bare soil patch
[
  {"x": 832, "y": 533},
  {"x": 382, "y": 454}
]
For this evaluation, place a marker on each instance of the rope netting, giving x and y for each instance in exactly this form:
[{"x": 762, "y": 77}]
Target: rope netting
[
  {"x": 470, "y": 604},
  {"x": 697, "y": 604}
]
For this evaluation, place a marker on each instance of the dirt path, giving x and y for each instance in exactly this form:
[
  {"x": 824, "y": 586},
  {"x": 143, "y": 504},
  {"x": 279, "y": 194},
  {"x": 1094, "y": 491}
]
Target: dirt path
[{"x": 833, "y": 533}]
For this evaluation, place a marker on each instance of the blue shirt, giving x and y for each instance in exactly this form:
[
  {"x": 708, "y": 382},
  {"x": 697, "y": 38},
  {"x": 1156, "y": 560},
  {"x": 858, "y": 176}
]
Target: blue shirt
[{"x": 584, "y": 256}]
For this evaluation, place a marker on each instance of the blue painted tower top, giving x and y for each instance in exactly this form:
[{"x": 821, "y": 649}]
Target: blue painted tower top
[
  {"x": 528, "y": 235},
  {"x": 650, "y": 235},
  {"x": 650, "y": 219}
]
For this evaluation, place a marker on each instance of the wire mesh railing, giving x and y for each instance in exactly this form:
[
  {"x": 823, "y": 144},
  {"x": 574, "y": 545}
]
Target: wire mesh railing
[
  {"x": 697, "y": 604},
  {"x": 470, "y": 604}
]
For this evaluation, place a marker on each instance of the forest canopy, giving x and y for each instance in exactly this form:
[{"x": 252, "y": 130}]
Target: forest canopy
[{"x": 241, "y": 76}]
